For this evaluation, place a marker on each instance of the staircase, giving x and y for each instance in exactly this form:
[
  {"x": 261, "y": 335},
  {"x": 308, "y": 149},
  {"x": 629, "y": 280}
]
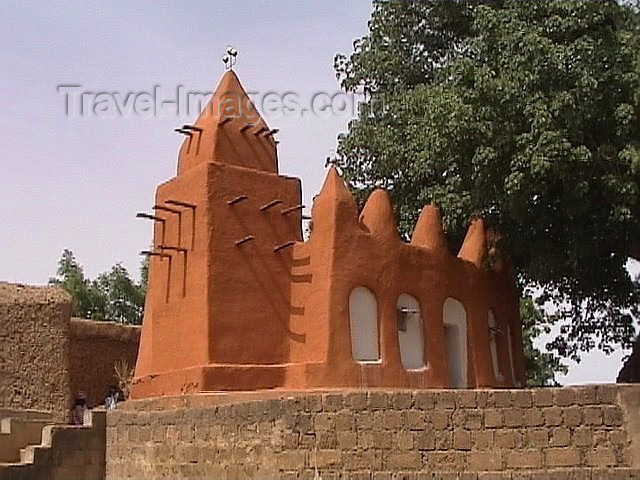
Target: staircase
[
  {"x": 17, "y": 433},
  {"x": 55, "y": 452}
]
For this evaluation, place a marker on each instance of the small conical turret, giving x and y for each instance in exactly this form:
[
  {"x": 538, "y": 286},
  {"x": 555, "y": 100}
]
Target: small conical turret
[
  {"x": 377, "y": 215},
  {"x": 334, "y": 204},
  {"x": 428, "y": 232},
  {"x": 474, "y": 247},
  {"x": 229, "y": 130}
]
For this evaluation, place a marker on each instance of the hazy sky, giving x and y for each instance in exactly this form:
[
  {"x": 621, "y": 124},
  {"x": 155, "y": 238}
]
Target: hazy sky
[{"x": 78, "y": 182}]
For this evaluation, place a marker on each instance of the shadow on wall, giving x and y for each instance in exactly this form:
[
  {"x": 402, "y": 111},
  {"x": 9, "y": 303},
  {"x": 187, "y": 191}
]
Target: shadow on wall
[{"x": 95, "y": 348}]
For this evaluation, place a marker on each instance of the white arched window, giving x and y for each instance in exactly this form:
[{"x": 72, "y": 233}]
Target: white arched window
[
  {"x": 455, "y": 339},
  {"x": 363, "y": 318},
  {"x": 410, "y": 333},
  {"x": 493, "y": 345}
]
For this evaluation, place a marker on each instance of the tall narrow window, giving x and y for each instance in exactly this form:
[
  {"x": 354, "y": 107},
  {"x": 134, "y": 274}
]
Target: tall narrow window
[
  {"x": 410, "y": 333},
  {"x": 363, "y": 318},
  {"x": 493, "y": 345},
  {"x": 455, "y": 340}
]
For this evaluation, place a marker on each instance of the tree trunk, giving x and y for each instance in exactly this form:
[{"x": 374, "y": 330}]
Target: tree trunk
[{"x": 630, "y": 372}]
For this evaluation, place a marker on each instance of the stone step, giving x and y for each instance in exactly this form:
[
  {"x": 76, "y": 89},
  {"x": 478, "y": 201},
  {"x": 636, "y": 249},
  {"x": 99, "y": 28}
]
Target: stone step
[{"x": 17, "y": 433}]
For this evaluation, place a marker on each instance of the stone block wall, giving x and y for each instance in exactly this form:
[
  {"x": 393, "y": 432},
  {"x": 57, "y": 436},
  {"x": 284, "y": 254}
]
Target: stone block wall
[
  {"x": 95, "y": 348},
  {"x": 34, "y": 348},
  {"x": 585, "y": 431}
]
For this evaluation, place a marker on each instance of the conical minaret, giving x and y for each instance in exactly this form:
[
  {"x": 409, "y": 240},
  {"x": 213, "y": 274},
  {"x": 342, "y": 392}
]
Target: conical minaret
[
  {"x": 334, "y": 207},
  {"x": 220, "y": 274},
  {"x": 229, "y": 130}
]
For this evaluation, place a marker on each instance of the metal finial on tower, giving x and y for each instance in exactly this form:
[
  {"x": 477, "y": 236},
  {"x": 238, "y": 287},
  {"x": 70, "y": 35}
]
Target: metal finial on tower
[
  {"x": 229, "y": 58},
  {"x": 330, "y": 161}
]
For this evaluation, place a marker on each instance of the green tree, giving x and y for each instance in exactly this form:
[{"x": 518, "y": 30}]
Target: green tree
[
  {"x": 87, "y": 300},
  {"x": 541, "y": 367},
  {"x": 527, "y": 113},
  {"x": 112, "y": 295},
  {"x": 124, "y": 299}
]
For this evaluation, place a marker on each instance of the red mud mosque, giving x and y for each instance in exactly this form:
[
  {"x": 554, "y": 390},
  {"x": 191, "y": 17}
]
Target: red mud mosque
[{"x": 238, "y": 300}]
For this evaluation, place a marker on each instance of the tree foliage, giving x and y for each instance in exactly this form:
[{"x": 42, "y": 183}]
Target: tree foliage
[
  {"x": 541, "y": 367},
  {"x": 112, "y": 295},
  {"x": 526, "y": 112}
]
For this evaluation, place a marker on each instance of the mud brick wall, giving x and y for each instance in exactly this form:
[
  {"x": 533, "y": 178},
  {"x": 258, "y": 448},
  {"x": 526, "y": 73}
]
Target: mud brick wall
[
  {"x": 377, "y": 434},
  {"x": 46, "y": 356},
  {"x": 95, "y": 348},
  {"x": 34, "y": 326}
]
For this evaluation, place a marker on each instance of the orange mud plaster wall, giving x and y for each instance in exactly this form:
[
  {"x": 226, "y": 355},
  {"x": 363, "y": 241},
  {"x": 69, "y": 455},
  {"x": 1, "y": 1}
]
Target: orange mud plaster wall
[{"x": 237, "y": 301}]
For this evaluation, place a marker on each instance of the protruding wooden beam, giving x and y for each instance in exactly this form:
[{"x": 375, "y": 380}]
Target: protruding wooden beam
[
  {"x": 190, "y": 206},
  {"x": 148, "y": 216},
  {"x": 271, "y": 204},
  {"x": 164, "y": 208},
  {"x": 238, "y": 199},
  {"x": 244, "y": 240},
  {"x": 180, "y": 203},
  {"x": 149, "y": 253},
  {"x": 290, "y": 243},
  {"x": 289, "y": 210},
  {"x": 199, "y": 131},
  {"x": 174, "y": 248},
  {"x": 175, "y": 211}
]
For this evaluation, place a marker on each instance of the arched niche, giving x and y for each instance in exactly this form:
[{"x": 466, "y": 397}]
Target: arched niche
[
  {"x": 363, "y": 320},
  {"x": 410, "y": 332},
  {"x": 454, "y": 318},
  {"x": 494, "y": 332}
]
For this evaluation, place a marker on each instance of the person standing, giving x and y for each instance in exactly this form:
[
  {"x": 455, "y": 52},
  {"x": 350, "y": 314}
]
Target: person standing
[
  {"x": 111, "y": 401},
  {"x": 77, "y": 414}
]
